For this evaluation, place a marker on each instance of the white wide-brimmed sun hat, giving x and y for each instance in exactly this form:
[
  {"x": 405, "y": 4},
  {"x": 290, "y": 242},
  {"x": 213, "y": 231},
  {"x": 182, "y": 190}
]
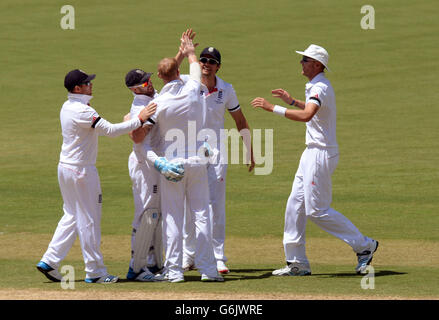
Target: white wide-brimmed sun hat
[{"x": 317, "y": 53}]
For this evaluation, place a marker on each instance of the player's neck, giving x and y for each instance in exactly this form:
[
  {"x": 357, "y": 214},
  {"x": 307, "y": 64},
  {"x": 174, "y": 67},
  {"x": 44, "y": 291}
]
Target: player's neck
[{"x": 209, "y": 82}]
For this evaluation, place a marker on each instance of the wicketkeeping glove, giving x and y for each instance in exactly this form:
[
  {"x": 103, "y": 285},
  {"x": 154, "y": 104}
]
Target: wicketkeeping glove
[{"x": 173, "y": 171}]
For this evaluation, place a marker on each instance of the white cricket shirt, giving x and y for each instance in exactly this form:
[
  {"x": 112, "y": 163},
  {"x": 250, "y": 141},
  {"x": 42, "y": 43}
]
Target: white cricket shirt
[
  {"x": 180, "y": 117},
  {"x": 321, "y": 129},
  {"x": 216, "y": 102},
  {"x": 139, "y": 102},
  {"x": 81, "y": 125}
]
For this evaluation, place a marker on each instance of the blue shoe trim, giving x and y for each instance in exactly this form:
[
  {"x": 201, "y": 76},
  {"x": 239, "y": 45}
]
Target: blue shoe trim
[
  {"x": 44, "y": 266},
  {"x": 131, "y": 275},
  {"x": 108, "y": 279},
  {"x": 154, "y": 269}
]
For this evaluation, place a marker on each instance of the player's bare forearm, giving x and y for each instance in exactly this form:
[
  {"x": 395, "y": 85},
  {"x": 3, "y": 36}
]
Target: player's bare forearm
[
  {"x": 300, "y": 104},
  {"x": 244, "y": 130},
  {"x": 303, "y": 115},
  {"x": 287, "y": 98},
  {"x": 138, "y": 135}
]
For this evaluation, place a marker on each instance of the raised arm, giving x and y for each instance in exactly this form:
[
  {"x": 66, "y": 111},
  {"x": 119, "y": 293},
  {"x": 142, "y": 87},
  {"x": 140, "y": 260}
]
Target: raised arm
[
  {"x": 180, "y": 56},
  {"x": 187, "y": 48}
]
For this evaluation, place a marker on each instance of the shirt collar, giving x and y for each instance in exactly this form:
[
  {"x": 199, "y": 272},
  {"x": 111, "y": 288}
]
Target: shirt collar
[
  {"x": 142, "y": 99},
  {"x": 83, "y": 98},
  {"x": 317, "y": 78},
  {"x": 219, "y": 85},
  {"x": 171, "y": 86}
]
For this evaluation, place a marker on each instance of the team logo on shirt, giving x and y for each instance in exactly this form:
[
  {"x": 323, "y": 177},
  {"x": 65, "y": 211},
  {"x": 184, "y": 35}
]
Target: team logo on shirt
[{"x": 219, "y": 99}]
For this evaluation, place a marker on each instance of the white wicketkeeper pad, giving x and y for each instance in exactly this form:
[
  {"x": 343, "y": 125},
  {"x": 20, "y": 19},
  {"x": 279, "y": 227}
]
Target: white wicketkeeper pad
[
  {"x": 158, "y": 243},
  {"x": 145, "y": 237}
]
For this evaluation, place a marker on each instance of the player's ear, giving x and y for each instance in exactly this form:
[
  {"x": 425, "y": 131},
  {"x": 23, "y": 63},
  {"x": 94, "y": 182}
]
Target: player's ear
[
  {"x": 76, "y": 89},
  {"x": 219, "y": 66}
]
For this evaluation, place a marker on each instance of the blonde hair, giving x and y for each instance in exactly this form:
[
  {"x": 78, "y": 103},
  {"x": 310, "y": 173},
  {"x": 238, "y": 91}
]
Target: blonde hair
[{"x": 168, "y": 69}]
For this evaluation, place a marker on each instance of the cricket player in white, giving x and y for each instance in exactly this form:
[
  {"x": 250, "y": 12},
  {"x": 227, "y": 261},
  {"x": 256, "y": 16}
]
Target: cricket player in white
[
  {"x": 181, "y": 114},
  {"x": 219, "y": 96},
  {"x": 79, "y": 181},
  {"x": 311, "y": 194},
  {"x": 145, "y": 186}
]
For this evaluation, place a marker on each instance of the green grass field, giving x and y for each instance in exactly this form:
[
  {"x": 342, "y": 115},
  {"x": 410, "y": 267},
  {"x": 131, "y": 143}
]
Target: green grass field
[{"x": 386, "y": 181}]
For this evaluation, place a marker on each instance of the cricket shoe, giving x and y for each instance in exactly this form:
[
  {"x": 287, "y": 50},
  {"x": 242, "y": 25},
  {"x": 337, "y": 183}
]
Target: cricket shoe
[
  {"x": 221, "y": 267},
  {"x": 217, "y": 278},
  {"x": 178, "y": 279},
  {"x": 148, "y": 276},
  {"x": 293, "y": 269},
  {"x": 104, "y": 279},
  {"x": 365, "y": 258},
  {"x": 143, "y": 276},
  {"x": 154, "y": 269},
  {"x": 50, "y": 273},
  {"x": 188, "y": 265}
]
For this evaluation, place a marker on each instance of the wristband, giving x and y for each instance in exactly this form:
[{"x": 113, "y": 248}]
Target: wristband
[
  {"x": 141, "y": 121},
  {"x": 292, "y": 103},
  {"x": 279, "y": 110}
]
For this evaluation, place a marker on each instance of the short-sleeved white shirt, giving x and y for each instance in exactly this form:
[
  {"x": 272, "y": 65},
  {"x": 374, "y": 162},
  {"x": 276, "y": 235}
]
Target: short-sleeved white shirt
[
  {"x": 223, "y": 97},
  {"x": 321, "y": 129}
]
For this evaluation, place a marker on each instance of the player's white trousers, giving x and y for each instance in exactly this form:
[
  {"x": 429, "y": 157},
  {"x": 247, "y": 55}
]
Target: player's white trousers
[
  {"x": 194, "y": 188},
  {"x": 82, "y": 196},
  {"x": 310, "y": 198},
  {"x": 217, "y": 212},
  {"x": 145, "y": 184}
]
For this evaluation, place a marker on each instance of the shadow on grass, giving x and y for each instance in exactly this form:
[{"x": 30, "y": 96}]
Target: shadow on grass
[
  {"x": 231, "y": 276},
  {"x": 246, "y": 274},
  {"x": 257, "y": 274},
  {"x": 380, "y": 273}
]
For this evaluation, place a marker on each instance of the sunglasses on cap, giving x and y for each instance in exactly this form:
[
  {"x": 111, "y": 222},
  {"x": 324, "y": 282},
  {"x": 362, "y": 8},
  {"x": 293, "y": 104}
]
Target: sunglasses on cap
[
  {"x": 208, "y": 60},
  {"x": 307, "y": 59},
  {"x": 143, "y": 85}
]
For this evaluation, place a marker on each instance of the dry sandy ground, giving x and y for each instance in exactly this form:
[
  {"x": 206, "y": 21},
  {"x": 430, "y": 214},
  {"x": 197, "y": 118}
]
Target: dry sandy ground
[{"x": 37, "y": 294}]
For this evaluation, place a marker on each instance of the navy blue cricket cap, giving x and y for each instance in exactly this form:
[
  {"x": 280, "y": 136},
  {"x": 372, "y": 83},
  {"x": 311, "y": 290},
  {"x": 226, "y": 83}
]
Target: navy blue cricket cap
[
  {"x": 211, "y": 51},
  {"x": 77, "y": 77},
  {"x": 136, "y": 77}
]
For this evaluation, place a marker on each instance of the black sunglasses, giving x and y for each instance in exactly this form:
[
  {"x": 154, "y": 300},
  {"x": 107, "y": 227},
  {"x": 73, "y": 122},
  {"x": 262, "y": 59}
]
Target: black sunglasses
[
  {"x": 306, "y": 59},
  {"x": 209, "y": 60}
]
